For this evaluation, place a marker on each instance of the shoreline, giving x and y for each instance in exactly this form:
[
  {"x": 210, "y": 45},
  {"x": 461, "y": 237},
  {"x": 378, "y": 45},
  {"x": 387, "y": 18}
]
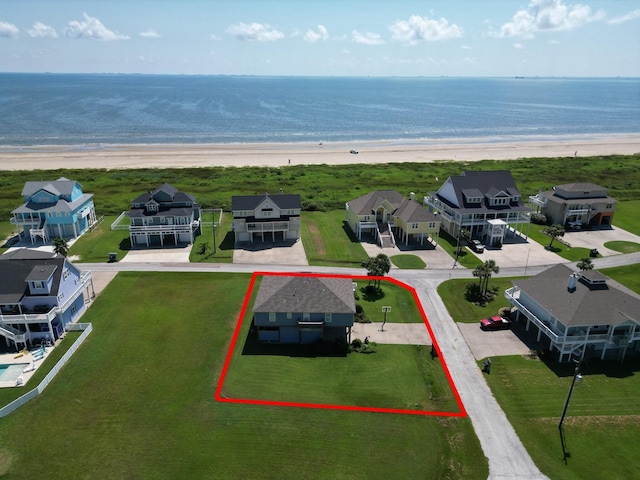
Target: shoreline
[{"x": 125, "y": 156}]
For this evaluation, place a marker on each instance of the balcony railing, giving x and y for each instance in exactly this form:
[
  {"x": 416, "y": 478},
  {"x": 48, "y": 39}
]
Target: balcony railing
[
  {"x": 538, "y": 200},
  {"x": 268, "y": 226}
]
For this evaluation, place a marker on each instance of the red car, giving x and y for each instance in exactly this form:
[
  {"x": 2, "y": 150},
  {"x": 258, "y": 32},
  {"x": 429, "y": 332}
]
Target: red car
[{"x": 495, "y": 323}]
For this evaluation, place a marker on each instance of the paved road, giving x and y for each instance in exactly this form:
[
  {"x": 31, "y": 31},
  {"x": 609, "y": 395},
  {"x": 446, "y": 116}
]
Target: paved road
[{"x": 507, "y": 457}]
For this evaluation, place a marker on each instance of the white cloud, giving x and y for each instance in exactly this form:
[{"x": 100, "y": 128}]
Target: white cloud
[
  {"x": 424, "y": 28},
  {"x": 465, "y": 47},
  {"x": 8, "y": 30},
  {"x": 255, "y": 32},
  {"x": 149, "y": 33},
  {"x": 313, "y": 36},
  {"x": 518, "y": 45},
  {"x": 92, "y": 28},
  {"x": 40, "y": 30},
  {"x": 625, "y": 18},
  {"x": 366, "y": 38},
  {"x": 547, "y": 15}
]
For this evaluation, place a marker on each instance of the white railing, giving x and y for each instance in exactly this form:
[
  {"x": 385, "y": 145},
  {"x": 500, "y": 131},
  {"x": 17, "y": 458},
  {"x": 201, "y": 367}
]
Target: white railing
[
  {"x": 116, "y": 223},
  {"x": 267, "y": 226},
  {"x": 554, "y": 337},
  {"x": 18, "y": 402},
  {"x": 538, "y": 200}
]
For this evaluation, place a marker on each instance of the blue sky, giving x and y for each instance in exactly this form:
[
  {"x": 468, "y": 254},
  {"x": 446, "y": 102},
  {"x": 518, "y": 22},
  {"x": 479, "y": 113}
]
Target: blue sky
[{"x": 323, "y": 37}]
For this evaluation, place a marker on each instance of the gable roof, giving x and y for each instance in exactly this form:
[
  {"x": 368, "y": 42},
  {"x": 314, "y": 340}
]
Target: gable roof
[
  {"x": 24, "y": 264},
  {"x": 305, "y": 294},
  {"x": 61, "y": 186},
  {"x": 170, "y": 191},
  {"x": 482, "y": 184},
  {"x": 404, "y": 208},
  {"x": 284, "y": 201},
  {"x": 592, "y": 303}
]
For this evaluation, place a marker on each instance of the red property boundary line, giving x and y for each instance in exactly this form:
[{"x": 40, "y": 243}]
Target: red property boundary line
[{"x": 220, "y": 398}]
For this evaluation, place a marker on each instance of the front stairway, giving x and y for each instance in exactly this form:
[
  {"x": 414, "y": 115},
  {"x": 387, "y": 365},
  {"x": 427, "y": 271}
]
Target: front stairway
[{"x": 386, "y": 238}]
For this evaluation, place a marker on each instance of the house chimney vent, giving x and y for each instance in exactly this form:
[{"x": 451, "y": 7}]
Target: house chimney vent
[{"x": 572, "y": 283}]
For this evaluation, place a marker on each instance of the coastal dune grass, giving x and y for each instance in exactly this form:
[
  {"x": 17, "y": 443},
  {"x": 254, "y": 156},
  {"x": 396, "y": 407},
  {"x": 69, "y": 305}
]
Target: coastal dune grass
[{"x": 136, "y": 401}]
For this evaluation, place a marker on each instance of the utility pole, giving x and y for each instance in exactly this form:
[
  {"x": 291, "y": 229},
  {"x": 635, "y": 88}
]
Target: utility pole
[
  {"x": 576, "y": 378},
  {"x": 214, "y": 231}
]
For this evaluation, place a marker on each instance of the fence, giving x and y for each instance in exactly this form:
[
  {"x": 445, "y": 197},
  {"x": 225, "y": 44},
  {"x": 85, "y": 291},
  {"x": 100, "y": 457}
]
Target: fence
[{"x": 18, "y": 402}]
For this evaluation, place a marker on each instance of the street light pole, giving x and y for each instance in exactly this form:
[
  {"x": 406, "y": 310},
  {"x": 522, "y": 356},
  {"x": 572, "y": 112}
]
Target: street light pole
[{"x": 576, "y": 378}]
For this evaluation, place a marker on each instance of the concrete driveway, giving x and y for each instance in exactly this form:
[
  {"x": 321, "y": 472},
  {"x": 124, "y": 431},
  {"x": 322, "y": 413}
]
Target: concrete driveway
[
  {"x": 270, "y": 253},
  {"x": 485, "y": 344},
  {"x": 597, "y": 238}
]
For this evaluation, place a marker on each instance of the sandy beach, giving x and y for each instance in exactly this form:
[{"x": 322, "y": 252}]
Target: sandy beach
[{"x": 283, "y": 154}]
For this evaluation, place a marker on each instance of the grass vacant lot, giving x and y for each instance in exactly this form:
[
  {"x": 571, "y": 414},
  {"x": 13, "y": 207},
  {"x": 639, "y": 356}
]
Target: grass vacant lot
[
  {"x": 626, "y": 216},
  {"x": 328, "y": 240},
  {"x": 602, "y": 428},
  {"x": 136, "y": 401}
]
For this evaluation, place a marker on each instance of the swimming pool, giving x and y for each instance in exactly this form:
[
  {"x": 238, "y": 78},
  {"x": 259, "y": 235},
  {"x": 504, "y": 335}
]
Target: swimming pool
[{"x": 10, "y": 372}]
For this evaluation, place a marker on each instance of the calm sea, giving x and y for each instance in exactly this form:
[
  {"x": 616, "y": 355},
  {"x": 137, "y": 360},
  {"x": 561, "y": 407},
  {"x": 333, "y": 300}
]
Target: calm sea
[{"x": 56, "y": 109}]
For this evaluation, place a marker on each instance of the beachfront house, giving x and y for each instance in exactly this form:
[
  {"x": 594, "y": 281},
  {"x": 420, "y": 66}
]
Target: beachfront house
[
  {"x": 575, "y": 313},
  {"x": 41, "y": 293},
  {"x": 164, "y": 216},
  {"x": 53, "y": 209},
  {"x": 486, "y": 203},
  {"x": 576, "y": 205},
  {"x": 304, "y": 309},
  {"x": 390, "y": 217},
  {"x": 266, "y": 217}
]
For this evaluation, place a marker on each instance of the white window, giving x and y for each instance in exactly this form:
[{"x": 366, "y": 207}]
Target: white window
[
  {"x": 65, "y": 274},
  {"x": 272, "y": 316},
  {"x": 38, "y": 285},
  {"x": 432, "y": 224},
  {"x": 414, "y": 225},
  {"x": 327, "y": 318},
  {"x": 61, "y": 296},
  {"x": 306, "y": 317},
  {"x": 289, "y": 315}
]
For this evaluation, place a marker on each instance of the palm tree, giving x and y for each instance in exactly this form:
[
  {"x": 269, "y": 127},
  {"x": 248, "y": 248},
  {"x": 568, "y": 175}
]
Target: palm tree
[
  {"x": 484, "y": 272},
  {"x": 554, "y": 231},
  {"x": 60, "y": 246},
  {"x": 585, "y": 264}
]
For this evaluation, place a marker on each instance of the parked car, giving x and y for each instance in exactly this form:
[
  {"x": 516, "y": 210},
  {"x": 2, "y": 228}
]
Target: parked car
[
  {"x": 476, "y": 246},
  {"x": 355, "y": 152},
  {"x": 495, "y": 323}
]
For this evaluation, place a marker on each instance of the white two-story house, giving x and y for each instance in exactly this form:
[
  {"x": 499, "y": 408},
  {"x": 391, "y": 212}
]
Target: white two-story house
[{"x": 266, "y": 217}]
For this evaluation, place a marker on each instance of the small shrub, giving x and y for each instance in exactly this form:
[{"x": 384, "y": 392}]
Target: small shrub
[{"x": 538, "y": 218}]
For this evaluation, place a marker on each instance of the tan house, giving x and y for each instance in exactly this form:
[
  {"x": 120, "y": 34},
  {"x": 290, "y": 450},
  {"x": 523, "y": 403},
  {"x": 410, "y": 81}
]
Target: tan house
[
  {"x": 392, "y": 218},
  {"x": 576, "y": 204}
]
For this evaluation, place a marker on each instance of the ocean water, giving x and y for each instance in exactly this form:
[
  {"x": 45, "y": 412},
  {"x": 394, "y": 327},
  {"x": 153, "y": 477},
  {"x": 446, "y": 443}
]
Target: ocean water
[{"x": 77, "y": 109}]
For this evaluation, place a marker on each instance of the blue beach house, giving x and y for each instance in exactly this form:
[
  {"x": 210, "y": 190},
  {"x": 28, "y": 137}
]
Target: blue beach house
[
  {"x": 304, "y": 309},
  {"x": 53, "y": 209},
  {"x": 40, "y": 294}
]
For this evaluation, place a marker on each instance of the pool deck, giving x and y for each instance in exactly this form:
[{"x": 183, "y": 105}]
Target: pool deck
[{"x": 15, "y": 358}]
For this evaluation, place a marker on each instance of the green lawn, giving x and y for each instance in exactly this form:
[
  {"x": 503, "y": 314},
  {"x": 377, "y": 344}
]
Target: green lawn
[
  {"x": 136, "y": 401},
  {"x": 95, "y": 246},
  {"x": 573, "y": 254},
  {"x": 225, "y": 241},
  {"x": 623, "y": 247},
  {"x": 408, "y": 261},
  {"x": 328, "y": 240},
  {"x": 602, "y": 428},
  {"x": 626, "y": 216},
  {"x": 401, "y": 301},
  {"x": 452, "y": 294}
]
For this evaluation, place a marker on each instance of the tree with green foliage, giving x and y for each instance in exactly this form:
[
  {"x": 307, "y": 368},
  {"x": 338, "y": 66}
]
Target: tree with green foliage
[
  {"x": 484, "y": 272},
  {"x": 60, "y": 246},
  {"x": 554, "y": 231},
  {"x": 378, "y": 266},
  {"x": 585, "y": 264}
]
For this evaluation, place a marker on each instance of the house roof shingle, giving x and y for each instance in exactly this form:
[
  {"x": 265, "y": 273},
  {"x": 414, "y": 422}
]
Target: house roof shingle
[
  {"x": 305, "y": 294},
  {"x": 405, "y": 208},
  {"x": 284, "y": 201},
  {"x": 18, "y": 266},
  {"x": 595, "y": 304}
]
